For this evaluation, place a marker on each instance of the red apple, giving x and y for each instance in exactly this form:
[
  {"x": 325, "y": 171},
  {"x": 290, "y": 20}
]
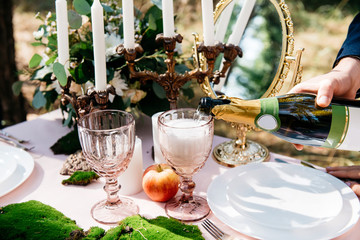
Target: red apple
[{"x": 160, "y": 182}]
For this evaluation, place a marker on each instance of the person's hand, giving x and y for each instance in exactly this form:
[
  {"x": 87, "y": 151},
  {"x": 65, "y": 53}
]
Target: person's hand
[
  {"x": 347, "y": 172},
  {"x": 342, "y": 81}
]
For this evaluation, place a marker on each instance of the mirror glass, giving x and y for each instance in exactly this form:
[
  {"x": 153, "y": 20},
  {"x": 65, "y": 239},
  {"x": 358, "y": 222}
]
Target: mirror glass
[{"x": 262, "y": 44}]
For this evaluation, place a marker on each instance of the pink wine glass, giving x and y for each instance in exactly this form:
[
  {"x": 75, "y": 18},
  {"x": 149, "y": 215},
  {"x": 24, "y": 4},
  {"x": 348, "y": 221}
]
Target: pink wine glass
[{"x": 107, "y": 139}]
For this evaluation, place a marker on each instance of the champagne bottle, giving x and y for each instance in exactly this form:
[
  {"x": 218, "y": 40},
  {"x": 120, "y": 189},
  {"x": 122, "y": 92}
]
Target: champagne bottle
[{"x": 295, "y": 118}]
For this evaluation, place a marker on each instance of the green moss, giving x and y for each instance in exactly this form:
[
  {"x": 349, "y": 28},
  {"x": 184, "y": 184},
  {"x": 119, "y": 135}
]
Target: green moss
[
  {"x": 34, "y": 220},
  {"x": 67, "y": 144},
  {"x": 80, "y": 178},
  {"x": 94, "y": 233},
  {"x": 137, "y": 227}
]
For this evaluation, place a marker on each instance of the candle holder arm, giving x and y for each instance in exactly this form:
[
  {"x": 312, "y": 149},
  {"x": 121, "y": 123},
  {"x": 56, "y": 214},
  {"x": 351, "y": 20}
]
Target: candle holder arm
[
  {"x": 91, "y": 101},
  {"x": 230, "y": 53}
]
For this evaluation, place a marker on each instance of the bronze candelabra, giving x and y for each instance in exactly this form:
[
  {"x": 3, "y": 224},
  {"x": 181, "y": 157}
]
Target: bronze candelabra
[
  {"x": 172, "y": 81},
  {"x": 88, "y": 102}
]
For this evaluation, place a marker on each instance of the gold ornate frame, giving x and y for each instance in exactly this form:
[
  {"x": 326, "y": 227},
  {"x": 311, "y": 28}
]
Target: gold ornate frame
[
  {"x": 242, "y": 151},
  {"x": 287, "y": 55}
]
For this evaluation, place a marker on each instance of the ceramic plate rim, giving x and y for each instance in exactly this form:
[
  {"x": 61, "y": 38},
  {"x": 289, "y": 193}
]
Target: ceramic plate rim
[
  {"x": 12, "y": 166},
  {"x": 24, "y": 169},
  {"x": 322, "y": 185},
  {"x": 216, "y": 196}
]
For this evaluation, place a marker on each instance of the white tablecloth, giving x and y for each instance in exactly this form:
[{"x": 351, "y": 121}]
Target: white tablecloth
[{"x": 44, "y": 184}]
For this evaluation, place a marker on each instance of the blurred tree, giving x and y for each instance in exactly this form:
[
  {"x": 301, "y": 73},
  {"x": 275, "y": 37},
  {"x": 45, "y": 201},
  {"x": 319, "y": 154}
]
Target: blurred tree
[
  {"x": 34, "y": 5},
  {"x": 348, "y": 5},
  {"x": 11, "y": 106}
]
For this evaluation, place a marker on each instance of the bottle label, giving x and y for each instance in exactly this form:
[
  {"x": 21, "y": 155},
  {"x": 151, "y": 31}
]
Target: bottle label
[
  {"x": 349, "y": 136},
  {"x": 339, "y": 126},
  {"x": 268, "y": 118}
]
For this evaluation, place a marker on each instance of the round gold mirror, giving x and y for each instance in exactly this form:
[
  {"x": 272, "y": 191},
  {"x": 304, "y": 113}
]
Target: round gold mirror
[{"x": 264, "y": 31}]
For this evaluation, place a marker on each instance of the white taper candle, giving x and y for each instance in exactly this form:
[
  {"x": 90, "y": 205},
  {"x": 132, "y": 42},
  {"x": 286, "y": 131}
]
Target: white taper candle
[
  {"x": 97, "y": 22},
  {"x": 168, "y": 18},
  {"x": 241, "y": 22},
  {"x": 62, "y": 32},
  {"x": 128, "y": 23},
  {"x": 208, "y": 22},
  {"x": 223, "y": 21}
]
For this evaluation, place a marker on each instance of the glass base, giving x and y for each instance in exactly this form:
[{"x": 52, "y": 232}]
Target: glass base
[
  {"x": 106, "y": 213},
  {"x": 194, "y": 210},
  {"x": 231, "y": 155}
]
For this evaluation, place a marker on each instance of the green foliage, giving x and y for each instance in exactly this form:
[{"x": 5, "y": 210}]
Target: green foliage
[
  {"x": 60, "y": 73},
  {"x": 130, "y": 92},
  {"x": 39, "y": 99},
  {"x": 80, "y": 178},
  {"x": 34, "y": 220},
  {"x": 82, "y": 7},
  {"x": 75, "y": 20},
  {"x": 67, "y": 144},
  {"x": 16, "y": 87},
  {"x": 137, "y": 227},
  {"x": 35, "y": 61}
]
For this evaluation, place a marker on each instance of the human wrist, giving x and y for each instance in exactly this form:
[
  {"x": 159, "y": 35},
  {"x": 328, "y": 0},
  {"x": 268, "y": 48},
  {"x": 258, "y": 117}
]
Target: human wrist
[{"x": 350, "y": 65}]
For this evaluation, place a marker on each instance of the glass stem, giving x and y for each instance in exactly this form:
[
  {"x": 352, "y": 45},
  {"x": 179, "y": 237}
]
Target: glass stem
[
  {"x": 187, "y": 187},
  {"x": 112, "y": 188}
]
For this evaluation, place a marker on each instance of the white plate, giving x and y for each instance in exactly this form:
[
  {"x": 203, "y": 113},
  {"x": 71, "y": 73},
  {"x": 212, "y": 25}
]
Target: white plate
[
  {"x": 25, "y": 166},
  {"x": 7, "y": 166},
  {"x": 222, "y": 205},
  {"x": 284, "y": 198}
]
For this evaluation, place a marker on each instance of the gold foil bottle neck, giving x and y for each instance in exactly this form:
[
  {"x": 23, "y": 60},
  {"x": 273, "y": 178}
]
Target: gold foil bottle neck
[{"x": 238, "y": 111}]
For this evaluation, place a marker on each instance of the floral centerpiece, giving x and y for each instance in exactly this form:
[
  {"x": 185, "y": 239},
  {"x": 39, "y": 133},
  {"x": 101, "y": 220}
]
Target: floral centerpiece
[{"x": 130, "y": 93}]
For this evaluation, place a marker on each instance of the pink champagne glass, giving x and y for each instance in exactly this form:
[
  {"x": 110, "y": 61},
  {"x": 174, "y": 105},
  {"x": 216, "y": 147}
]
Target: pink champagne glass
[
  {"x": 185, "y": 138},
  {"x": 107, "y": 139}
]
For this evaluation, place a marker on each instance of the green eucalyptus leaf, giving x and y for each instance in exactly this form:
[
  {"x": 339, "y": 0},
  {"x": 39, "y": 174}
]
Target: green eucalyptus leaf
[
  {"x": 127, "y": 103},
  {"x": 188, "y": 92},
  {"x": 158, "y": 90},
  {"x": 75, "y": 20},
  {"x": 39, "y": 100},
  {"x": 36, "y": 44},
  {"x": 82, "y": 50},
  {"x": 16, "y": 87},
  {"x": 181, "y": 68},
  {"x": 107, "y": 8},
  {"x": 82, "y": 7},
  {"x": 52, "y": 42},
  {"x": 152, "y": 22},
  {"x": 60, "y": 73},
  {"x": 187, "y": 85},
  {"x": 51, "y": 60},
  {"x": 35, "y": 61}
]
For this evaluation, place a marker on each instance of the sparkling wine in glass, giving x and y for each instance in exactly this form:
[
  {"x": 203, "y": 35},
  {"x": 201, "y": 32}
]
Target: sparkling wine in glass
[
  {"x": 107, "y": 139},
  {"x": 185, "y": 138}
]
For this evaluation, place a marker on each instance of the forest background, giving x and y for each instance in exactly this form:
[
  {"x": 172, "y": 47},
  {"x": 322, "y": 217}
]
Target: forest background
[{"x": 319, "y": 26}]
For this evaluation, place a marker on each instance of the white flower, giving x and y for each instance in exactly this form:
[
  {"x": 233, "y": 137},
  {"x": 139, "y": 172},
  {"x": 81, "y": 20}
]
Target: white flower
[
  {"x": 55, "y": 85},
  {"x": 87, "y": 85},
  {"x": 44, "y": 59},
  {"x": 39, "y": 34},
  {"x": 111, "y": 42},
  {"x": 119, "y": 84},
  {"x": 178, "y": 48},
  {"x": 49, "y": 14},
  {"x": 135, "y": 95},
  {"x": 84, "y": 19}
]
